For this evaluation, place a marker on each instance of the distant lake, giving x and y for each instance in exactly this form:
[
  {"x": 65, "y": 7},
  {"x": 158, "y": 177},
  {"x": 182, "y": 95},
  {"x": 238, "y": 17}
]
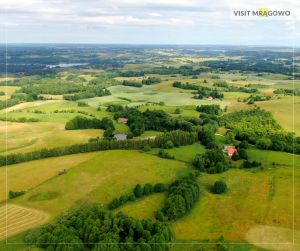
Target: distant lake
[{"x": 64, "y": 65}]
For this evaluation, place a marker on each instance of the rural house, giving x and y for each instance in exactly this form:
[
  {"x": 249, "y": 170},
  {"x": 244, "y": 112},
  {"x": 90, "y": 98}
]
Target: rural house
[
  {"x": 122, "y": 120},
  {"x": 120, "y": 136},
  {"x": 229, "y": 150}
]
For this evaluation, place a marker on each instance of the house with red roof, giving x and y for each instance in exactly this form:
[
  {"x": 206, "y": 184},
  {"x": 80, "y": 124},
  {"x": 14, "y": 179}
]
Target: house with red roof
[{"x": 229, "y": 150}]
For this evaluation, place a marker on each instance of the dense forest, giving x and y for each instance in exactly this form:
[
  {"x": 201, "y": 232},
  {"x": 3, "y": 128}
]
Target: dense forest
[{"x": 94, "y": 228}]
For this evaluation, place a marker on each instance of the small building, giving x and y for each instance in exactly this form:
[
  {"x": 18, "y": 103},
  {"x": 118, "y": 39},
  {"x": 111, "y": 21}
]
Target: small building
[
  {"x": 197, "y": 95},
  {"x": 210, "y": 98},
  {"x": 229, "y": 150},
  {"x": 120, "y": 136},
  {"x": 62, "y": 171},
  {"x": 123, "y": 120}
]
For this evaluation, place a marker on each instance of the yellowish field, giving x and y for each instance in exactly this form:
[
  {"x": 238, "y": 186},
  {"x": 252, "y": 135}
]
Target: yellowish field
[
  {"x": 15, "y": 219},
  {"x": 273, "y": 238},
  {"x": 8, "y": 91},
  {"x": 24, "y": 137},
  {"x": 33, "y": 104},
  {"x": 26, "y": 176},
  {"x": 282, "y": 109}
]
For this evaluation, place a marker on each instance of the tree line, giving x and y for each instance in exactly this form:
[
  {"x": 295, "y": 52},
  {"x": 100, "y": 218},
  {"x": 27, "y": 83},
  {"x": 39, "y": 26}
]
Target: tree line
[
  {"x": 80, "y": 122},
  {"x": 203, "y": 92},
  {"x": 182, "y": 195},
  {"x": 231, "y": 88},
  {"x": 177, "y": 137}
]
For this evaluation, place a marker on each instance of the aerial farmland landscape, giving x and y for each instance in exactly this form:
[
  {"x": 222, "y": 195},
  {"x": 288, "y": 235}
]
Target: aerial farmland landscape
[
  {"x": 149, "y": 126},
  {"x": 193, "y": 142}
]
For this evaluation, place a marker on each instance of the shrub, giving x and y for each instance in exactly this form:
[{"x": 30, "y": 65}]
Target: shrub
[
  {"x": 169, "y": 144},
  {"x": 82, "y": 104},
  {"x": 249, "y": 164},
  {"x": 219, "y": 187},
  {"x": 138, "y": 191},
  {"x": 147, "y": 148},
  {"x": 14, "y": 194},
  {"x": 165, "y": 155}
]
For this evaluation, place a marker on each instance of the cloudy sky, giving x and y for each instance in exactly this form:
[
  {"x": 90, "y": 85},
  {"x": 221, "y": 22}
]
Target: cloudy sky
[{"x": 147, "y": 22}]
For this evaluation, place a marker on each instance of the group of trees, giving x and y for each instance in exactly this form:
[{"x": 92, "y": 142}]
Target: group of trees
[
  {"x": 80, "y": 122},
  {"x": 203, "y": 92},
  {"x": 253, "y": 98},
  {"x": 138, "y": 192},
  {"x": 184, "y": 70},
  {"x": 17, "y": 98},
  {"x": 288, "y": 92},
  {"x": 231, "y": 88},
  {"x": 72, "y": 88},
  {"x": 177, "y": 137},
  {"x": 212, "y": 161},
  {"x": 258, "y": 127},
  {"x": 157, "y": 120},
  {"x": 210, "y": 120},
  {"x": 151, "y": 80},
  {"x": 95, "y": 228},
  {"x": 182, "y": 196},
  {"x": 209, "y": 109},
  {"x": 132, "y": 83},
  {"x": 251, "y": 65},
  {"x": 88, "y": 93}
]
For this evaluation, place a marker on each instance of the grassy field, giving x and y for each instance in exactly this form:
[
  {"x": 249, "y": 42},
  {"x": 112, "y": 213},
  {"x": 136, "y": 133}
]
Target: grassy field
[
  {"x": 99, "y": 179},
  {"x": 149, "y": 94},
  {"x": 183, "y": 153},
  {"x": 263, "y": 197}
]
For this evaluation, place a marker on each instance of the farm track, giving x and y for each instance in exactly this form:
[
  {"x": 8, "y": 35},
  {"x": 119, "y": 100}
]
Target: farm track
[{"x": 18, "y": 219}]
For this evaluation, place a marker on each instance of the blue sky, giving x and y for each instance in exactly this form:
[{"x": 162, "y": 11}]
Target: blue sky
[{"x": 147, "y": 22}]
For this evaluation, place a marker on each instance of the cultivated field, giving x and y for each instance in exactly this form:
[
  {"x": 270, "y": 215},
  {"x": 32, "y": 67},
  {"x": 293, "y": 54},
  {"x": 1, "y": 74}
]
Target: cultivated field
[{"x": 15, "y": 219}]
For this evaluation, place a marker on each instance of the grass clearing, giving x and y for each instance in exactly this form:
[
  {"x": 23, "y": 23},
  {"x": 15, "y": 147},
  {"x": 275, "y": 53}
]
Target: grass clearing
[
  {"x": 184, "y": 153},
  {"x": 145, "y": 207}
]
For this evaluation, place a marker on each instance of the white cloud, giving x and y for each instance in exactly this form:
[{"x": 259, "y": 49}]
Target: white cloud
[{"x": 189, "y": 15}]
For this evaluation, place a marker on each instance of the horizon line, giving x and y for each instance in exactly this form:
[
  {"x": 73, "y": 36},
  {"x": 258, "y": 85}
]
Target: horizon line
[{"x": 146, "y": 44}]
